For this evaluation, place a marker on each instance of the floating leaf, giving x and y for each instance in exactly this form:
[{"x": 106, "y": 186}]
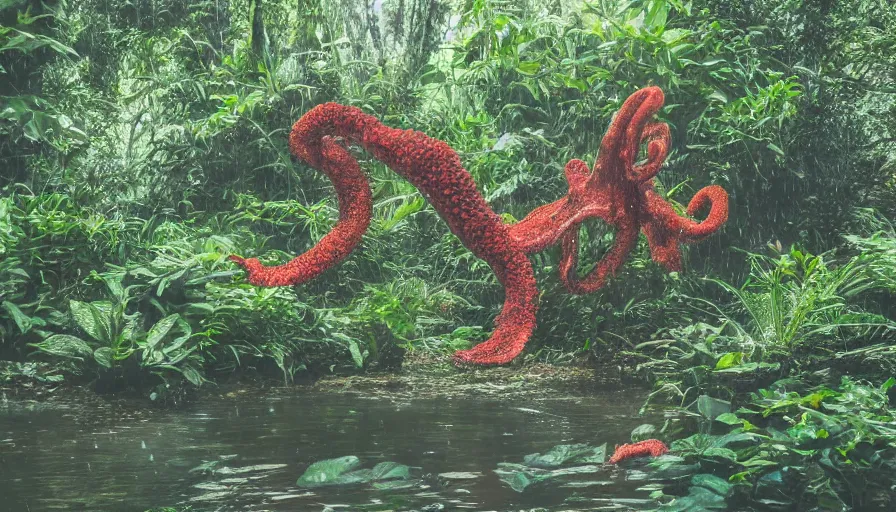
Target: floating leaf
[
  {"x": 460, "y": 475},
  {"x": 389, "y": 471},
  {"x": 343, "y": 471},
  {"x": 519, "y": 476},
  {"x": 565, "y": 453},
  {"x": 327, "y": 471}
]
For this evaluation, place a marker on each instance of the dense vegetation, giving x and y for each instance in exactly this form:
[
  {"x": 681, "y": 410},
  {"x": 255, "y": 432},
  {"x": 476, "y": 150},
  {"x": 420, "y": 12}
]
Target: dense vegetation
[{"x": 143, "y": 142}]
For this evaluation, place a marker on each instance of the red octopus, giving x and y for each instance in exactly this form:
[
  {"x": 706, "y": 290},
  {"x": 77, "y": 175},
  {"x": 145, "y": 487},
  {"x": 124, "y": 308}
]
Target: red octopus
[{"x": 617, "y": 190}]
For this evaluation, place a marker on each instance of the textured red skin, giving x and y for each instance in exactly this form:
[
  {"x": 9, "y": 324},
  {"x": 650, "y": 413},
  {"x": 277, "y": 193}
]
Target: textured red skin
[
  {"x": 651, "y": 447},
  {"x": 621, "y": 193},
  {"x": 617, "y": 191}
]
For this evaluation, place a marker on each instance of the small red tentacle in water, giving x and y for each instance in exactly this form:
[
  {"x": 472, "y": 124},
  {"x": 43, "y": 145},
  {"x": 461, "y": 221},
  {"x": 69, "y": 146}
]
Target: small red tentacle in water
[{"x": 649, "y": 447}]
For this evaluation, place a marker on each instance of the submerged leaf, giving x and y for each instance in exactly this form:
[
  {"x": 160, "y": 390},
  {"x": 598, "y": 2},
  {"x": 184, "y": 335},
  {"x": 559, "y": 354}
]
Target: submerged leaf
[
  {"x": 565, "y": 453},
  {"x": 519, "y": 476},
  {"x": 343, "y": 471}
]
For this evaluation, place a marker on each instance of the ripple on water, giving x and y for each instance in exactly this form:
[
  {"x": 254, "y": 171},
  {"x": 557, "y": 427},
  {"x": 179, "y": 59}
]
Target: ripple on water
[{"x": 246, "y": 453}]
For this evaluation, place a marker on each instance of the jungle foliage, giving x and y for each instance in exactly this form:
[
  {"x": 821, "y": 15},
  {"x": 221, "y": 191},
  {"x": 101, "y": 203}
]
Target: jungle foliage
[{"x": 143, "y": 142}]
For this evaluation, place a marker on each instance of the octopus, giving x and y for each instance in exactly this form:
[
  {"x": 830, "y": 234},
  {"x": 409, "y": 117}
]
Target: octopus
[{"x": 618, "y": 189}]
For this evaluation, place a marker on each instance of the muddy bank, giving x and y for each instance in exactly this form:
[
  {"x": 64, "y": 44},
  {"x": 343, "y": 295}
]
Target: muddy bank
[
  {"x": 421, "y": 375},
  {"x": 428, "y": 375}
]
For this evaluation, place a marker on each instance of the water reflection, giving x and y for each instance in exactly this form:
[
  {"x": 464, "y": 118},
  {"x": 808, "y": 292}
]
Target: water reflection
[{"x": 245, "y": 453}]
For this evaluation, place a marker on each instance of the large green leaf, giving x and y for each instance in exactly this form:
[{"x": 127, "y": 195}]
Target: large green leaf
[
  {"x": 65, "y": 345},
  {"x": 103, "y": 356},
  {"x": 326, "y": 472},
  {"x": 567, "y": 453},
  {"x": 356, "y": 353},
  {"x": 342, "y": 471},
  {"x": 712, "y": 408},
  {"x": 23, "y": 321},
  {"x": 642, "y": 432},
  {"x": 91, "y": 320},
  {"x": 520, "y": 476},
  {"x": 158, "y": 331}
]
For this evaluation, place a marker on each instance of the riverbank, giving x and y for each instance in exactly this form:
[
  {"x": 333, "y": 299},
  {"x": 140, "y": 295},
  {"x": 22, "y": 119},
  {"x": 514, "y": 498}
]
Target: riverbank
[{"x": 423, "y": 375}]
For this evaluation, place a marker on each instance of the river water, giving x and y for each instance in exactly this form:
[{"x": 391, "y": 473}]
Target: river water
[{"x": 245, "y": 452}]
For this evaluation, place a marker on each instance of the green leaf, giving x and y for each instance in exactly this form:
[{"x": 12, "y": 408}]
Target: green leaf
[
  {"x": 730, "y": 359},
  {"x": 192, "y": 375},
  {"x": 326, "y": 472},
  {"x": 723, "y": 453},
  {"x": 390, "y": 471},
  {"x": 528, "y": 67},
  {"x": 712, "y": 483},
  {"x": 758, "y": 462},
  {"x": 103, "y": 356},
  {"x": 403, "y": 211},
  {"x": 158, "y": 331},
  {"x": 519, "y": 476},
  {"x": 729, "y": 418},
  {"x": 355, "y": 350},
  {"x": 23, "y": 321},
  {"x": 711, "y": 407},
  {"x": 718, "y": 96},
  {"x": 642, "y": 432},
  {"x": 65, "y": 345},
  {"x": 90, "y": 319},
  {"x": 567, "y": 453}
]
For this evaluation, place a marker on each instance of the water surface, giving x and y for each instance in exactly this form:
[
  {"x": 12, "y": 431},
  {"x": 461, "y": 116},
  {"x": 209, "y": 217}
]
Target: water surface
[{"x": 245, "y": 452}]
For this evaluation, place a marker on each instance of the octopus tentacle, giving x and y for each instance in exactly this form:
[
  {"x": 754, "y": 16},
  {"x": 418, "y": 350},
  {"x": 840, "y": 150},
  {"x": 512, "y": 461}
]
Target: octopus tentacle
[
  {"x": 355, "y": 208},
  {"x": 717, "y": 198},
  {"x": 626, "y": 239},
  {"x": 658, "y": 140},
  {"x": 434, "y": 169}
]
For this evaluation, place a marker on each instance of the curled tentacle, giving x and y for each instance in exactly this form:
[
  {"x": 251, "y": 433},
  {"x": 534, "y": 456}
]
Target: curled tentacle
[
  {"x": 658, "y": 138},
  {"x": 355, "y": 207},
  {"x": 620, "y": 145},
  {"x": 718, "y": 213},
  {"x": 637, "y": 128},
  {"x": 665, "y": 229}
]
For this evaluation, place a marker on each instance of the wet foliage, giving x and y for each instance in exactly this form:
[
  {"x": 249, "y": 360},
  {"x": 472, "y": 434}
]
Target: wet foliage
[
  {"x": 141, "y": 143},
  {"x": 791, "y": 446},
  {"x": 143, "y": 147}
]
